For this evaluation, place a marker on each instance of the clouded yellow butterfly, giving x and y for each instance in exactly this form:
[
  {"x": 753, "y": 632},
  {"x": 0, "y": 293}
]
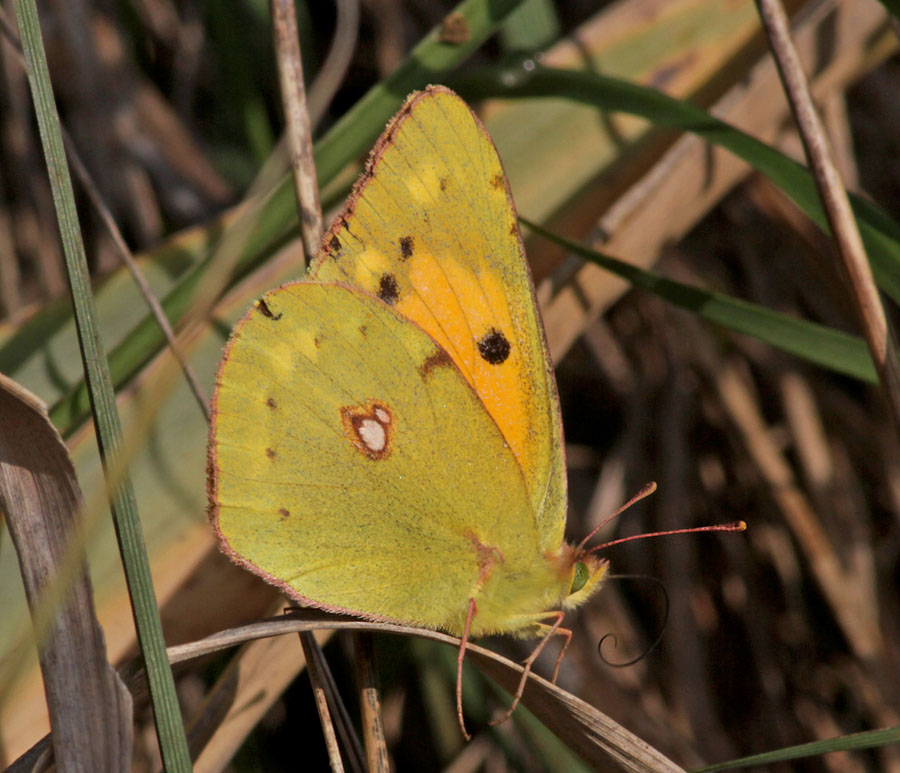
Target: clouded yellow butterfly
[{"x": 386, "y": 438}]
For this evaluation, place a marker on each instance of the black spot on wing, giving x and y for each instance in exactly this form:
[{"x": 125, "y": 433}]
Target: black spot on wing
[
  {"x": 388, "y": 289},
  {"x": 494, "y": 347},
  {"x": 266, "y": 311},
  {"x": 406, "y": 247}
]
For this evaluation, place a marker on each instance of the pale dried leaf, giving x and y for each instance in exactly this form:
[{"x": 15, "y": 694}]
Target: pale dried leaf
[{"x": 90, "y": 708}]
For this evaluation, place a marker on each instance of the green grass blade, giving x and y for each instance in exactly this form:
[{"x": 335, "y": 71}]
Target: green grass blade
[
  {"x": 824, "y": 346},
  {"x": 870, "y": 739},
  {"x": 531, "y": 27},
  {"x": 880, "y": 233},
  {"x": 173, "y": 744}
]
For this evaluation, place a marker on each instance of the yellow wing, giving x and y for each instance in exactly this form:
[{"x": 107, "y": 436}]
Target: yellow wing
[
  {"x": 431, "y": 230},
  {"x": 352, "y": 465}
]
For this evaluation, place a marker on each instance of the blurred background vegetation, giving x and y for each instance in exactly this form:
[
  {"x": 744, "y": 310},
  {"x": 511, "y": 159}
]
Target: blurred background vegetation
[{"x": 785, "y": 635}]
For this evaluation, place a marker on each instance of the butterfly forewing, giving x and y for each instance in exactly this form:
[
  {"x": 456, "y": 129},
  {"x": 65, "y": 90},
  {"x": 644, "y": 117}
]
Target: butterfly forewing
[{"x": 431, "y": 231}]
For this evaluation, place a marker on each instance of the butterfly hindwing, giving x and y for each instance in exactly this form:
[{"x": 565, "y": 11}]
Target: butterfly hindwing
[{"x": 354, "y": 466}]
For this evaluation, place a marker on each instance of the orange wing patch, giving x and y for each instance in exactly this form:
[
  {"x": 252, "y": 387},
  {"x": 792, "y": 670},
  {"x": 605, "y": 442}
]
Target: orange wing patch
[{"x": 468, "y": 316}]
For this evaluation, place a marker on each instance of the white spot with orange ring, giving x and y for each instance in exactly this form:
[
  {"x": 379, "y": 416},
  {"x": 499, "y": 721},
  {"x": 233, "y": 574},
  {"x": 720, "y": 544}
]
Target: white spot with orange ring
[
  {"x": 372, "y": 434},
  {"x": 369, "y": 427}
]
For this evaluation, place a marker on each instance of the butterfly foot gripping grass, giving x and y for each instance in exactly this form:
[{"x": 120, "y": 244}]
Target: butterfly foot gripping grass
[{"x": 386, "y": 437}]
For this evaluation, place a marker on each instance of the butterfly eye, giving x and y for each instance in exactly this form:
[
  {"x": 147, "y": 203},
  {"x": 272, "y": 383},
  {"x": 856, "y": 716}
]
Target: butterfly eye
[{"x": 580, "y": 577}]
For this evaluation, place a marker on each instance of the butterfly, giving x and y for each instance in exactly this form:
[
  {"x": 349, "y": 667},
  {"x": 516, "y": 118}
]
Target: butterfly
[{"x": 386, "y": 438}]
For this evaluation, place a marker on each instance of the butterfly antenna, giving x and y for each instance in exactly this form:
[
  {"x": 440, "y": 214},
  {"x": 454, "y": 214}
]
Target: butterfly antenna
[
  {"x": 642, "y": 494},
  {"x": 662, "y": 630},
  {"x": 734, "y": 526}
]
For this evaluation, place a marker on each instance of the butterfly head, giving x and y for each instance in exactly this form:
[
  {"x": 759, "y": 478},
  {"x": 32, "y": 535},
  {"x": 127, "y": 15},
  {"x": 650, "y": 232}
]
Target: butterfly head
[{"x": 585, "y": 573}]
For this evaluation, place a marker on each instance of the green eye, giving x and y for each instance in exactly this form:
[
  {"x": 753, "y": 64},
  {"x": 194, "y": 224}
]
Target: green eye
[{"x": 580, "y": 578}]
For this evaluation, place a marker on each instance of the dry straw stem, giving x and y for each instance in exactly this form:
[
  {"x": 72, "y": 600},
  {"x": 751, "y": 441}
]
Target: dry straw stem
[
  {"x": 90, "y": 708},
  {"x": 377, "y": 758},
  {"x": 299, "y": 131},
  {"x": 314, "y": 667},
  {"x": 353, "y": 749},
  {"x": 877, "y": 331},
  {"x": 851, "y": 592}
]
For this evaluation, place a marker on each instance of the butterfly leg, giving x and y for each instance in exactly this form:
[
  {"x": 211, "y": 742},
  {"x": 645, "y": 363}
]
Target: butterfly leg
[
  {"x": 459, "y": 667},
  {"x": 562, "y": 652},
  {"x": 529, "y": 661}
]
